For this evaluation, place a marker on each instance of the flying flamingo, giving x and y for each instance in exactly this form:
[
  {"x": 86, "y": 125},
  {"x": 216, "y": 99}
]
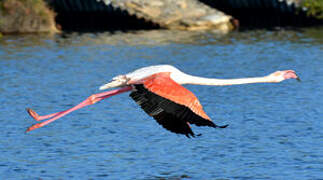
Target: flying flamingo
[{"x": 158, "y": 91}]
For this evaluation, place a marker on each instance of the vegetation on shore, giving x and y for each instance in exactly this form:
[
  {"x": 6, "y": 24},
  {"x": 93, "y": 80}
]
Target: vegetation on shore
[
  {"x": 26, "y": 16},
  {"x": 314, "y": 8}
]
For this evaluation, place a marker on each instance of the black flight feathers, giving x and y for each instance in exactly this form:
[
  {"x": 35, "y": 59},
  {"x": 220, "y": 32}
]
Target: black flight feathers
[{"x": 172, "y": 116}]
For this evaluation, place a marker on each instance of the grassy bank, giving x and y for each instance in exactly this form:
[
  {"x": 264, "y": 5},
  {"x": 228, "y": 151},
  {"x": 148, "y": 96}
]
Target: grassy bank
[
  {"x": 26, "y": 16},
  {"x": 314, "y": 8}
]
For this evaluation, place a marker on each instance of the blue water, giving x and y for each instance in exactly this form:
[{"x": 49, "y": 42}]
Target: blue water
[{"x": 275, "y": 130}]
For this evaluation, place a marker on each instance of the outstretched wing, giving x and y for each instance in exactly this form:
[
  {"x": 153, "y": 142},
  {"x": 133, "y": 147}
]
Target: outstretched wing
[{"x": 172, "y": 105}]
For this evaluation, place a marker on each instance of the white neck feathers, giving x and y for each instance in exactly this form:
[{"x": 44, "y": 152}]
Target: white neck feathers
[{"x": 188, "y": 79}]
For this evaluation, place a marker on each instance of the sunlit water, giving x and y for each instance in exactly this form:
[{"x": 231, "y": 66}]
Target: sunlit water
[{"x": 275, "y": 130}]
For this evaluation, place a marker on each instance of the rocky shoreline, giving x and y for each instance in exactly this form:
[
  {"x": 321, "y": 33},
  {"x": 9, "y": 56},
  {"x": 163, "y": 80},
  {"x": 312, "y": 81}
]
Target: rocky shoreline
[
  {"x": 177, "y": 14},
  {"x": 34, "y": 16}
]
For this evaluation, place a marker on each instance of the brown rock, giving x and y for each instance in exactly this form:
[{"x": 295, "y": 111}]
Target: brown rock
[{"x": 177, "y": 14}]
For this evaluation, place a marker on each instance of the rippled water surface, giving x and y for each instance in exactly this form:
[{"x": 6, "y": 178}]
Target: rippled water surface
[{"x": 275, "y": 130}]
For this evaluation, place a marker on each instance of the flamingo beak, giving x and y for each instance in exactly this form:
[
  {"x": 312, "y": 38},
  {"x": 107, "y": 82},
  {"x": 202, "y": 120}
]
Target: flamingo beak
[
  {"x": 290, "y": 74},
  {"x": 297, "y": 77}
]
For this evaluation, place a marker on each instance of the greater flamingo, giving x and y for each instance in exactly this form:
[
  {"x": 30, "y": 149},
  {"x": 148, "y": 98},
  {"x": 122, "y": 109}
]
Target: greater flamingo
[{"x": 158, "y": 91}]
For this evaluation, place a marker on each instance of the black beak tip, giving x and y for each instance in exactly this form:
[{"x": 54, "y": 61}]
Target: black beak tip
[{"x": 298, "y": 79}]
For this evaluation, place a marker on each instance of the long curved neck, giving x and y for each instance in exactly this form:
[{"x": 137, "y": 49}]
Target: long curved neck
[{"x": 188, "y": 79}]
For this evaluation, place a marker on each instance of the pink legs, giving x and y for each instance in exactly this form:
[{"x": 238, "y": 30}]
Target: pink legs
[
  {"x": 89, "y": 101},
  {"x": 33, "y": 114}
]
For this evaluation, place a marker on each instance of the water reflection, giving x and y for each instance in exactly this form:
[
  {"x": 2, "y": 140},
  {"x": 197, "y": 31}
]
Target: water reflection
[{"x": 164, "y": 37}]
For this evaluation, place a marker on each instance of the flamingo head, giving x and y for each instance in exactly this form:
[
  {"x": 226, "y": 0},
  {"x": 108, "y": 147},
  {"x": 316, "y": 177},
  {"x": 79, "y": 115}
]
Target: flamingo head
[{"x": 279, "y": 76}]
